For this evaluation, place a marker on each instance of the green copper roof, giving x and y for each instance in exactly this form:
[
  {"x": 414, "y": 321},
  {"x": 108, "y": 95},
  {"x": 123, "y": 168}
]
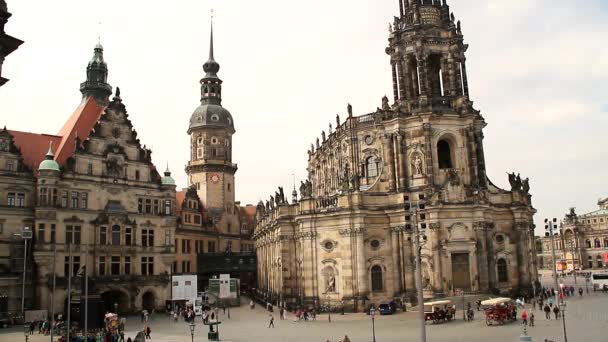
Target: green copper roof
[
  {"x": 49, "y": 163},
  {"x": 167, "y": 179}
]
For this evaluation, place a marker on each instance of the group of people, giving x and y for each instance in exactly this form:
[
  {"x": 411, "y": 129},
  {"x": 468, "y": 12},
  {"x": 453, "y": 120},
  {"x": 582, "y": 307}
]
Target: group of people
[{"x": 305, "y": 315}]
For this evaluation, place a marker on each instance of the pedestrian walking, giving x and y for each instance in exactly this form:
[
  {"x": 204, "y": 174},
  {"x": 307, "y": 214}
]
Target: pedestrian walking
[
  {"x": 547, "y": 310},
  {"x": 281, "y": 313},
  {"x": 580, "y": 291},
  {"x": 524, "y": 317},
  {"x": 271, "y": 324},
  {"x": 556, "y": 312},
  {"x": 532, "y": 319}
]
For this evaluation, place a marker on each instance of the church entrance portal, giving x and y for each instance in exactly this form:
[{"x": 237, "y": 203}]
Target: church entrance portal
[
  {"x": 115, "y": 300},
  {"x": 461, "y": 276}
]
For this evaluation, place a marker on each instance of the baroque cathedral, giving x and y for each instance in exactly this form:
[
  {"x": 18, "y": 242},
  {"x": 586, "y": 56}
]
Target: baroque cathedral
[
  {"x": 349, "y": 238},
  {"x": 96, "y": 204}
]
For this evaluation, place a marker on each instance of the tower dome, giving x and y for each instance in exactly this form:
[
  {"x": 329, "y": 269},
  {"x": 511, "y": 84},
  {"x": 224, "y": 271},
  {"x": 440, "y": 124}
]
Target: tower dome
[
  {"x": 49, "y": 163},
  {"x": 167, "y": 179},
  {"x": 211, "y": 113}
]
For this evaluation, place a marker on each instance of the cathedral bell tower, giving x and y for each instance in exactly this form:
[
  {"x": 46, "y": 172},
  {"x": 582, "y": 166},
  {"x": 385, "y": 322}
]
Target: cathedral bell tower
[
  {"x": 428, "y": 58},
  {"x": 210, "y": 168}
]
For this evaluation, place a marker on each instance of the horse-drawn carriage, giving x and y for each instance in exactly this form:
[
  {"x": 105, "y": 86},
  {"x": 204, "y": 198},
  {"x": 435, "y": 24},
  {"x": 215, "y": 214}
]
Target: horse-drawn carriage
[
  {"x": 439, "y": 311},
  {"x": 499, "y": 310}
]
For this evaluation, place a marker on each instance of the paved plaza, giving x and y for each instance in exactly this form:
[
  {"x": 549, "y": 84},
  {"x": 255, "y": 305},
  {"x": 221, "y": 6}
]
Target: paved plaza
[{"x": 586, "y": 320}]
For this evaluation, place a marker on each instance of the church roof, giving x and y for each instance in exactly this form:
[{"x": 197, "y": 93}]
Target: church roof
[{"x": 248, "y": 212}]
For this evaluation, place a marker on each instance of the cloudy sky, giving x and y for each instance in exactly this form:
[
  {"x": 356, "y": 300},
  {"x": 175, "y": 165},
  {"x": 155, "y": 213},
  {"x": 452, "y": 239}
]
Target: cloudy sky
[{"x": 537, "y": 71}]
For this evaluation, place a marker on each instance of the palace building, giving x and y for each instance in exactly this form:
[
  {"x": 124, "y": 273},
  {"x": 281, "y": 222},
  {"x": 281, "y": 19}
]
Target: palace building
[
  {"x": 349, "y": 238},
  {"x": 580, "y": 243},
  {"x": 93, "y": 198}
]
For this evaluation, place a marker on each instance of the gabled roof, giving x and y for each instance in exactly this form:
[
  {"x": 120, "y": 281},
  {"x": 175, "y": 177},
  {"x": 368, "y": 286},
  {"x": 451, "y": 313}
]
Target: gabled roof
[
  {"x": 248, "y": 212},
  {"x": 79, "y": 124},
  {"x": 33, "y": 146}
]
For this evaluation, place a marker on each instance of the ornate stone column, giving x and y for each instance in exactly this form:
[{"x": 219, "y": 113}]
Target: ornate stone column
[
  {"x": 388, "y": 152},
  {"x": 395, "y": 87},
  {"x": 428, "y": 153},
  {"x": 399, "y": 160},
  {"x": 402, "y": 86},
  {"x": 398, "y": 286},
  {"x": 362, "y": 279}
]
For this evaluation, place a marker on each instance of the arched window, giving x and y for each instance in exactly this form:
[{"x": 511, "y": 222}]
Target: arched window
[
  {"x": 503, "y": 272},
  {"x": 588, "y": 243},
  {"x": 376, "y": 278},
  {"x": 596, "y": 243},
  {"x": 116, "y": 235},
  {"x": 371, "y": 167},
  {"x": 605, "y": 243},
  {"x": 444, "y": 154},
  {"x": 599, "y": 261}
]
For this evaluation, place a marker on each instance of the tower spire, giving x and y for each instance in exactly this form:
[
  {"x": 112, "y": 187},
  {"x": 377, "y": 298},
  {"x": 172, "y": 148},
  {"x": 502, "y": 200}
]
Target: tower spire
[
  {"x": 211, "y": 39},
  {"x": 211, "y": 85},
  {"x": 96, "y": 84}
]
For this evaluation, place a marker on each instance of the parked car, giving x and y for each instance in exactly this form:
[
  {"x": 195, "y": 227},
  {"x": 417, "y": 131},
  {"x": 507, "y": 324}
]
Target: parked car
[{"x": 386, "y": 309}]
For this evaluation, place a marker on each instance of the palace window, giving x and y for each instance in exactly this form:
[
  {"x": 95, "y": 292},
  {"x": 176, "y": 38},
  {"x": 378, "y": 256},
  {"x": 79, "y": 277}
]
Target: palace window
[
  {"x": 148, "y": 206},
  {"x": 596, "y": 243},
  {"x": 136, "y": 174},
  {"x": 229, "y": 246},
  {"x": 41, "y": 232},
  {"x": 210, "y": 246},
  {"x": 74, "y": 200},
  {"x": 605, "y": 243},
  {"x": 444, "y": 154},
  {"x": 147, "y": 237},
  {"x": 64, "y": 199},
  {"x": 140, "y": 205},
  {"x": 127, "y": 265},
  {"x": 128, "y": 236},
  {"x": 147, "y": 265},
  {"x": 43, "y": 196},
  {"x": 84, "y": 200},
  {"x": 168, "y": 210},
  {"x": 72, "y": 234},
  {"x": 371, "y": 167},
  {"x": 75, "y": 265},
  {"x": 156, "y": 207},
  {"x": 102, "y": 265},
  {"x": 198, "y": 246},
  {"x": 20, "y": 200},
  {"x": 376, "y": 278},
  {"x": 588, "y": 243},
  {"x": 115, "y": 265},
  {"x": 10, "y": 166},
  {"x": 90, "y": 169},
  {"x": 503, "y": 273},
  {"x": 116, "y": 235},
  {"x": 185, "y": 266},
  {"x": 54, "y": 197},
  {"x": 590, "y": 261},
  {"x": 197, "y": 219},
  {"x": 53, "y": 233},
  {"x": 103, "y": 237},
  {"x": 10, "y": 199}
]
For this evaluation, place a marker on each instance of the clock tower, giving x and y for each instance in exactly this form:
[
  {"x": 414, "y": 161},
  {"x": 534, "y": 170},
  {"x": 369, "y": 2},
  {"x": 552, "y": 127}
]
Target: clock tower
[{"x": 210, "y": 168}]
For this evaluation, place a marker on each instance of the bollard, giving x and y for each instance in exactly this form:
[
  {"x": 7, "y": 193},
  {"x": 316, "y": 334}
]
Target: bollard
[{"x": 525, "y": 338}]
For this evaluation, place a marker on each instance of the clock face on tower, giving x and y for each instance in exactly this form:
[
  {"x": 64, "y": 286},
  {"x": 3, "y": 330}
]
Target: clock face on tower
[{"x": 215, "y": 178}]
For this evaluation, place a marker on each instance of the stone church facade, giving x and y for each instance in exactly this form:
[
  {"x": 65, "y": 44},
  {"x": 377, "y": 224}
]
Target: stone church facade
[{"x": 349, "y": 237}]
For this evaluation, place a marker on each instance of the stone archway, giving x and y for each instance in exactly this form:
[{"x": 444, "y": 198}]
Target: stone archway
[
  {"x": 115, "y": 300},
  {"x": 148, "y": 301}
]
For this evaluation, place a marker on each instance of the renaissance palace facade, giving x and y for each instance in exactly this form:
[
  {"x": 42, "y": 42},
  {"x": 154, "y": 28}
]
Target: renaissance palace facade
[{"x": 349, "y": 238}]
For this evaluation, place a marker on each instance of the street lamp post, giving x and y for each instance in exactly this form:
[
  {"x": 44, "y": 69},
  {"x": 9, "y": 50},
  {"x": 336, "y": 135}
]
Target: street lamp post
[
  {"x": 372, "y": 313},
  {"x": 26, "y": 331},
  {"x": 26, "y": 234},
  {"x": 562, "y": 309},
  {"x": 414, "y": 206},
  {"x": 550, "y": 225},
  {"x": 192, "y": 326}
]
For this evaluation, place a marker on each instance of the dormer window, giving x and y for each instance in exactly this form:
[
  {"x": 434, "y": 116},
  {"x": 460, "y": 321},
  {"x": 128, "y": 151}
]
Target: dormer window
[{"x": 215, "y": 117}]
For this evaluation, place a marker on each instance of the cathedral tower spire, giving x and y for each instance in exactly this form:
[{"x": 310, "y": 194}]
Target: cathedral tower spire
[
  {"x": 211, "y": 85},
  {"x": 428, "y": 58},
  {"x": 96, "y": 84}
]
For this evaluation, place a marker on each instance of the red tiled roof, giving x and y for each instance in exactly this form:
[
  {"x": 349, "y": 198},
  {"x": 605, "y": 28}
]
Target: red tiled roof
[
  {"x": 179, "y": 199},
  {"x": 34, "y": 146},
  {"x": 248, "y": 212},
  {"x": 80, "y": 124}
]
